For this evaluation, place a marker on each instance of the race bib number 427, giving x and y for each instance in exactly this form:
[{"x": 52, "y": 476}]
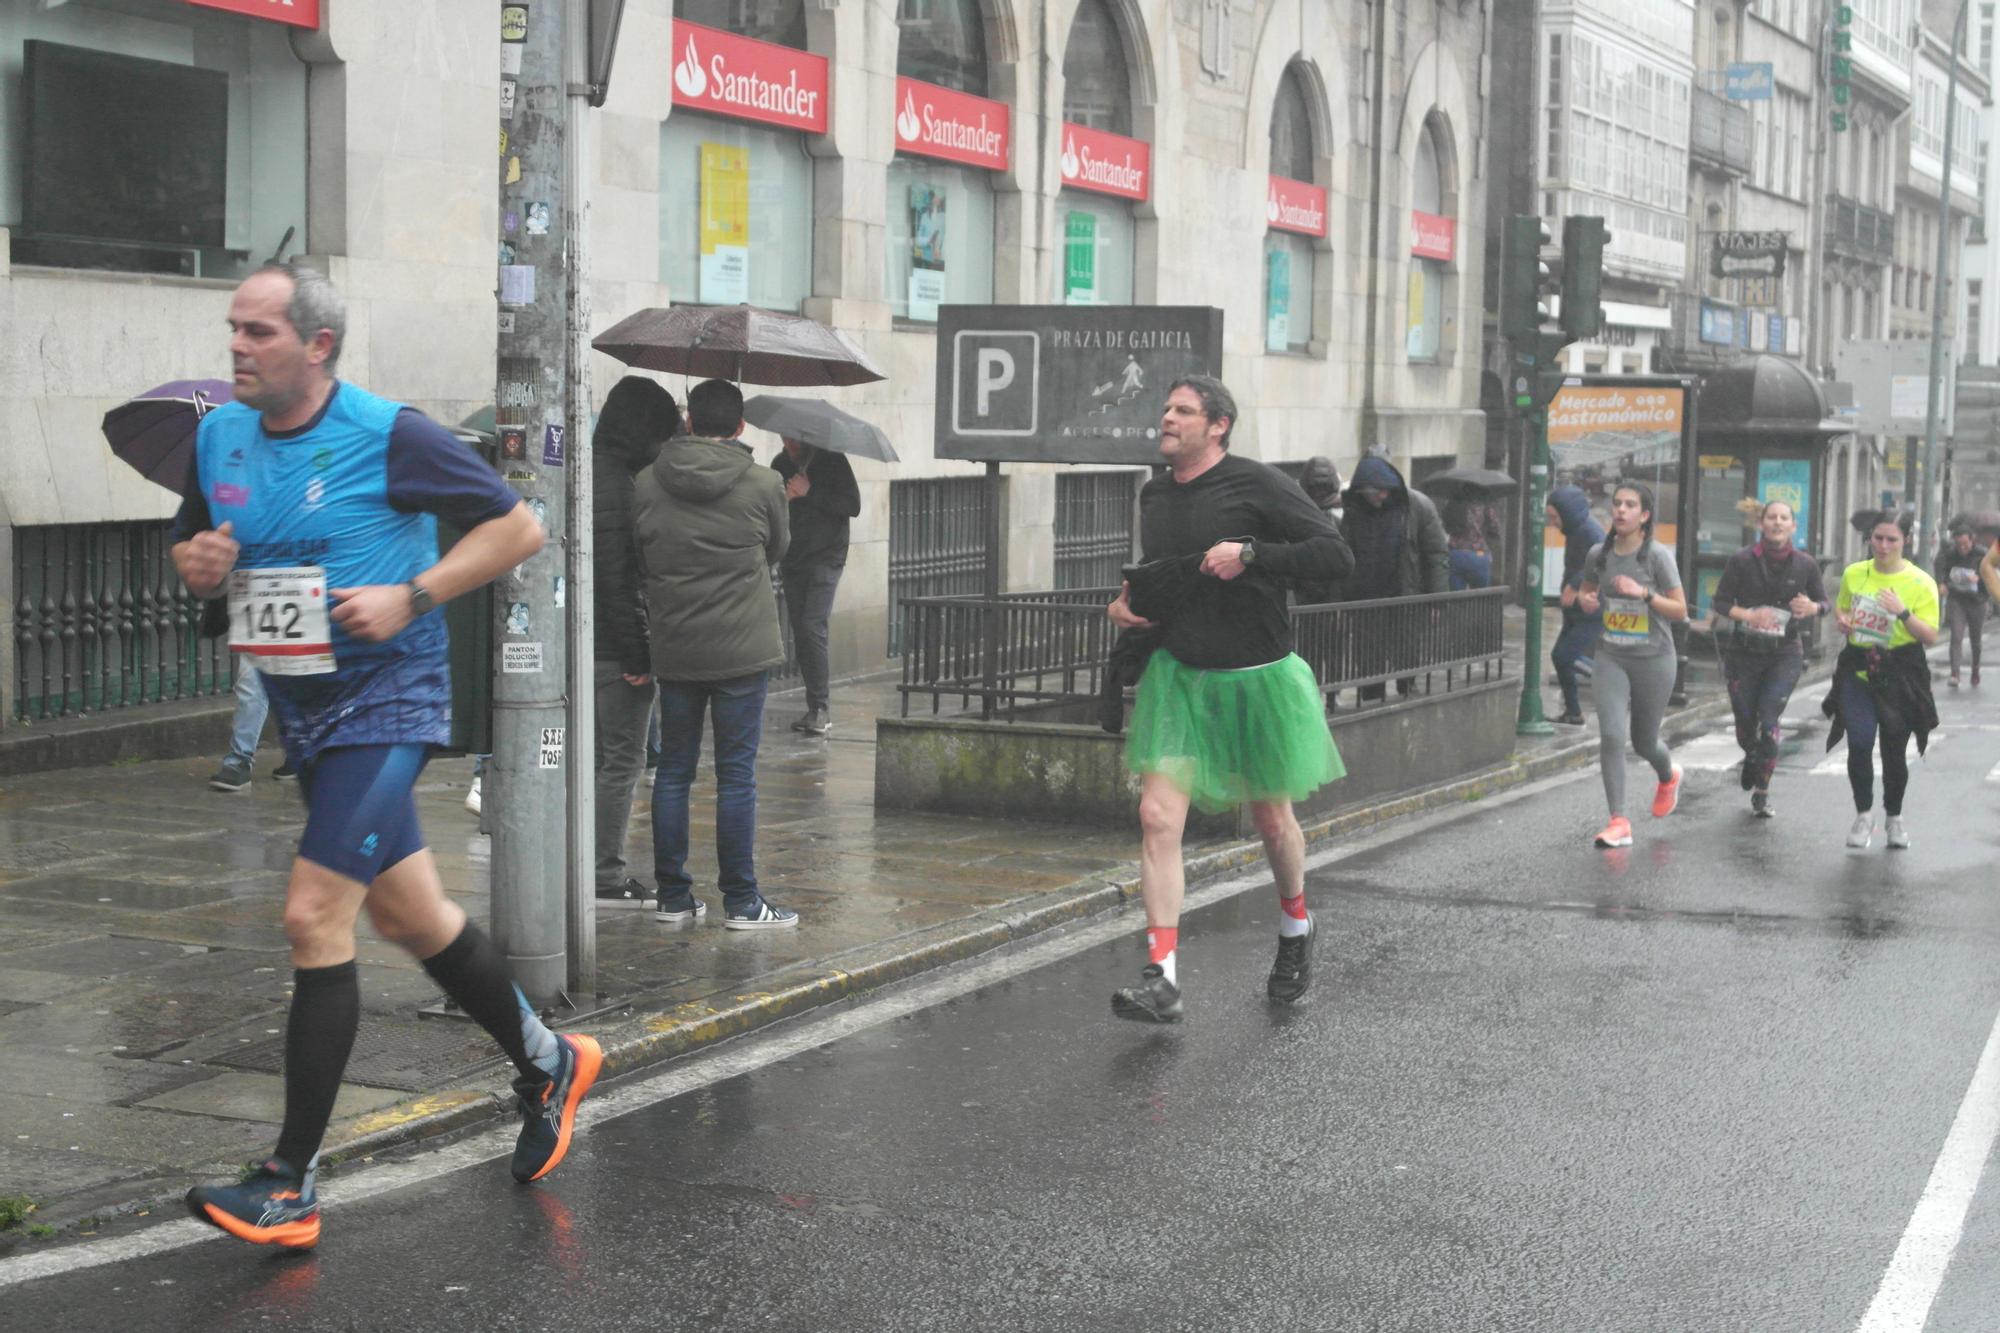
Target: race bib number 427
[{"x": 278, "y": 618}]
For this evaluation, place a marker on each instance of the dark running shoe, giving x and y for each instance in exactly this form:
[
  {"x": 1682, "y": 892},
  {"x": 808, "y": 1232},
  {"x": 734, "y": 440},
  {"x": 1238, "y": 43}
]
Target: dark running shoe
[
  {"x": 1570, "y": 719},
  {"x": 631, "y": 893},
  {"x": 1292, "y": 972},
  {"x": 1153, "y": 1000},
  {"x": 548, "y": 1107},
  {"x": 1747, "y": 776},
  {"x": 271, "y": 1207},
  {"x": 1760, "y": 805},
  {"x": 232, "y": 777},
  {"x": 286, "y": 772}
]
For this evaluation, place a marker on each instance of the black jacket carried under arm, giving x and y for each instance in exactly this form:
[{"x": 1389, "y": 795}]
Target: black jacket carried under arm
[{"x": 1240, "y": 622}]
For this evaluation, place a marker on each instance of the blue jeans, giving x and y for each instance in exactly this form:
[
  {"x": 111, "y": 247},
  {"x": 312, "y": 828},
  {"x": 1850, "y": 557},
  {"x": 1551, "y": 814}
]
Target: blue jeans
[
  {"x": 737, "y": 706},
  {"x": 1577, "y": 641},
  {"x": 252, "y": 706}
]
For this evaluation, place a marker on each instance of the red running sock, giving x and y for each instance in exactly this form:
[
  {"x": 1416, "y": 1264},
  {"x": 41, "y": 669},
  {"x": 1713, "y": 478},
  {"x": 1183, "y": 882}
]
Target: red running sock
[
  {"x": 1292, "y": 919},
  {"x": 1161, "y": 941}
]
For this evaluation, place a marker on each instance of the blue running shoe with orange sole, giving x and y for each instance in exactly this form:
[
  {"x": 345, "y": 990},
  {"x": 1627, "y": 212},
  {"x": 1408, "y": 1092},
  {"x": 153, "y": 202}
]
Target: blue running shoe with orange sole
[
  {"x": 548, "y": 1107},
  {"x": 272, "y": 1206}
]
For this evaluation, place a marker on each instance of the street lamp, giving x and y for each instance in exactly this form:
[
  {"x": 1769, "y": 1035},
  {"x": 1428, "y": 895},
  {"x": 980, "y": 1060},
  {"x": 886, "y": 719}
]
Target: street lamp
[{"x": 1926, "y": 505}]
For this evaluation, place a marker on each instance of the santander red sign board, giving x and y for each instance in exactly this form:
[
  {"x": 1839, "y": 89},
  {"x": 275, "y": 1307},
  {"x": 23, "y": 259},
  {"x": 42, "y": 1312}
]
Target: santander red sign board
[
  {"x": 1433, "y": 237},
  {"x": 1291, "y": 205},
  {"x": 298, "y": 13},
  {"x": 955, "y": 126},
  {"x": 727, "y": 75},
  {"x": 1107, "y": 163}
]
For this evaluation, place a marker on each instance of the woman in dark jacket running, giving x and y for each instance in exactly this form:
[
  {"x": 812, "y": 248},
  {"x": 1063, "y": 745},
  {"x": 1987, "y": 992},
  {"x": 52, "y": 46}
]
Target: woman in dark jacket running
[{"x": 1766, "y": 593}]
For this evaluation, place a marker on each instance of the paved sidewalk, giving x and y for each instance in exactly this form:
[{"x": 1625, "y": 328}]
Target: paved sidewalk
[{"x": 144, "y": 977}]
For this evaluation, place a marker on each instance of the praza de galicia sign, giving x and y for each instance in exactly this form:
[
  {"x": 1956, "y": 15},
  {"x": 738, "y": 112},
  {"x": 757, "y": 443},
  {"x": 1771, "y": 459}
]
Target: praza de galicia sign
[{"x": 1065, "y": 384}]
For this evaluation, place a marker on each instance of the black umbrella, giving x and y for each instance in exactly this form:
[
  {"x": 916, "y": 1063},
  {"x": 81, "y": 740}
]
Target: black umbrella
[
  {"x": 154, "y": 432},
  {"x": 1461, "y": 481},
  {"x": 822, "y": 425},
  {"x": 738, "y": 342}
]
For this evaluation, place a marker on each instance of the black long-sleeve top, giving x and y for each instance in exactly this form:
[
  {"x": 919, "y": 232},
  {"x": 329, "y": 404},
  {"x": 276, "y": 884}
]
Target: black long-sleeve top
[
  {"x": 819, "y": 518},
  {"x": 1752, "y": 579},
  {"x": 1241, "y": 622}
]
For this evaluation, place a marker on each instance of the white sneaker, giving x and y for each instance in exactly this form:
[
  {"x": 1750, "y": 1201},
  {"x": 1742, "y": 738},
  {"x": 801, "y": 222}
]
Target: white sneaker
[
  {"x": 1898, "y": 836},
  {"x": 472, "y": 797},
  {"x": 1862, "y": 831}
]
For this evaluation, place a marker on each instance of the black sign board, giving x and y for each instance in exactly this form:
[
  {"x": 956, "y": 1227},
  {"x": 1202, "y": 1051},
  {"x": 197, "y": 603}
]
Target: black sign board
[
  {"x": 1748, "y": 254},
  {"x": 1064, "y": 383}
]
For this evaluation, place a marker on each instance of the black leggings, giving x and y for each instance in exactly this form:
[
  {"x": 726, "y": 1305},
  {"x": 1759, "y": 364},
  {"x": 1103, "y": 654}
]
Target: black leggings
[{"x": 1857, "y": 709}]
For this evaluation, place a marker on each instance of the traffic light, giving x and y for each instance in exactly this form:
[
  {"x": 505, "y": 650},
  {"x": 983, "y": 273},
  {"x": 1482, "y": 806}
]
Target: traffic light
[
  {"x": 1583, "y": 276},
  {"x": 1523, "y": 277}
]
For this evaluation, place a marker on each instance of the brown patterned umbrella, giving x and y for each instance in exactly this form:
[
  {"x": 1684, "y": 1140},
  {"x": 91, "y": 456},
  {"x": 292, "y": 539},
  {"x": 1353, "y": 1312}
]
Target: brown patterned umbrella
[{"x": 737, "y": 342}]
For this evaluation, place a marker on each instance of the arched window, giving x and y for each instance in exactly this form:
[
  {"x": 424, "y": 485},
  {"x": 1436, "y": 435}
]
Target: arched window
[
  {"x": 1433, "y": 247},
  {"x": 943, "y": 42},
  {"x": 1097, "y": 86},
  {"x": 779, "y": 21},
  {"x": 940, "y": 213},
  {"x": 1296, "y": 211},
  {"x": 1099, "y": 227}
]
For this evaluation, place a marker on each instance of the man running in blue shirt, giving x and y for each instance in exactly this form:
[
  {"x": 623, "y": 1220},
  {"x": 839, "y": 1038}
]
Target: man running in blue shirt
[{"x": 312, "y": 505}]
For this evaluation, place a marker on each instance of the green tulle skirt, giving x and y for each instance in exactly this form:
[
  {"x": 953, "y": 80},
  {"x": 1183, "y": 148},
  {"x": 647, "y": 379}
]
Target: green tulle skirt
[{"x": 1226, "y": 737}]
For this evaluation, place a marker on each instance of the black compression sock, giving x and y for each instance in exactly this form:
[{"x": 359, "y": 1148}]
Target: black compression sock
[
  {"x": 471, "y": 971},
  {"x": 319, "y": 1036}
]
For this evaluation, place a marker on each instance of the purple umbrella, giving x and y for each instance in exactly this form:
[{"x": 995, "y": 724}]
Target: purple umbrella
[{"x": 154, "y": 432}]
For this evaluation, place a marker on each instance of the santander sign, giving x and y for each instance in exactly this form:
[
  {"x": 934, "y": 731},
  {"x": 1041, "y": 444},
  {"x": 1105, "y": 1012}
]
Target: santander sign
[
  {"x": 1291, "y": 205},
  {"x": 726, "y": 75},
  {"x": 957, "y": 127},
  {"x": 1433, "y": 237},
  {"x": 1107, "y": 163},
  {"x": 298, "y": 13}
]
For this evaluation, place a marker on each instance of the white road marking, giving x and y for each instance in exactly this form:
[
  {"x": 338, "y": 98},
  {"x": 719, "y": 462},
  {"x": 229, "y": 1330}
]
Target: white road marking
[
  {"x": 744, "y": 1055},
  {"x": 1902, "y": 1303}
]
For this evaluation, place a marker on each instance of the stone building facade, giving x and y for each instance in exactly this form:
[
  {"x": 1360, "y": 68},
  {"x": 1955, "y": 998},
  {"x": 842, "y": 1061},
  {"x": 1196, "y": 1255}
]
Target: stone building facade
[{"x": 359, "y": 136}]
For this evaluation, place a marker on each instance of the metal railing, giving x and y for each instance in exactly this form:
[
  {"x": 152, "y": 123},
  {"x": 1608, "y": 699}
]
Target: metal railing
[
  {"x": 102, "y": 620},
  {"x": 1856, "y": 228},
  {"x": 937, "y": 542},
  {"x": 1093, "y": 533},
  {"x": 1046, "y": 650}
]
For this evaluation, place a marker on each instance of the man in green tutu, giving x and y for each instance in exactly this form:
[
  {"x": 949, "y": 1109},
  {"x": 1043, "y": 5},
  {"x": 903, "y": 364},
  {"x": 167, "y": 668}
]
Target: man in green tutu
[{"x": 1226, "y": 714}]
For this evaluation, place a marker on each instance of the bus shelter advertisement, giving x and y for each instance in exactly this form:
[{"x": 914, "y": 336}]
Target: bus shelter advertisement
[{"x": 1602, "y": 435}]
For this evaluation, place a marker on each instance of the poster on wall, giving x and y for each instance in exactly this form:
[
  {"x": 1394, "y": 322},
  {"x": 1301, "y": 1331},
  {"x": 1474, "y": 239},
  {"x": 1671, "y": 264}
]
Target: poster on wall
[
  {"x": 1080, "y": 262},
  {"x": 1278, "y": 301},
  {"x": 725, "y": 224},
  {"x": 927, "y": 251},
  {"x": 1790, "y": 480},
  {"x": 1414, "y": 340},
  {"x": 1603, "y": 434}
]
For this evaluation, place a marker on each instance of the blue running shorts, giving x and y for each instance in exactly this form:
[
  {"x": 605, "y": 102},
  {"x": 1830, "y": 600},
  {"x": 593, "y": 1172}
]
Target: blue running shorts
[{"x": 361, "y": 808}]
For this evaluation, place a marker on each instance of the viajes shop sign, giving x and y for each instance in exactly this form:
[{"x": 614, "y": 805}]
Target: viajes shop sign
[
  {"x": 1748, "y": 254},
  {"x": 1433, "y": 237},
  {"x": 1107, "y": 163},
  {"x": 727, "y": 75},
  {"x": 1291, "y": 205},
  {"x": 957, "y": 127},
  {"x": 298, "y": 13}
]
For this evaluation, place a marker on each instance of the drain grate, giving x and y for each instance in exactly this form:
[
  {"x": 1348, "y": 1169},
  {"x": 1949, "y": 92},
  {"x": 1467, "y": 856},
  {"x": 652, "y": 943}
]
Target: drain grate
[{"x": 406, "y": 1054}]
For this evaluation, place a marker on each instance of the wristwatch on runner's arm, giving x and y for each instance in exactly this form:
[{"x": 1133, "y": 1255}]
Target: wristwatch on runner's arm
[
  {"x": 421, "y": 602},
  {"x": 1248, "y": 555}
]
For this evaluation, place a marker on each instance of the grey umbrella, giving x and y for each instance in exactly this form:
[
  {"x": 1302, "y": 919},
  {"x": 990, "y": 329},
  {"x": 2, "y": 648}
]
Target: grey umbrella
[
  {"x": 1463, "y": 481},
  {"x": 819, "y": 424},
  {"x": 737, "y": 342}
]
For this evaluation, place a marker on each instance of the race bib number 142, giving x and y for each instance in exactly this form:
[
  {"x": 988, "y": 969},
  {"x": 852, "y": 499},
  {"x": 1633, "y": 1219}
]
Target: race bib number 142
[{"x": 278, "y": 618}]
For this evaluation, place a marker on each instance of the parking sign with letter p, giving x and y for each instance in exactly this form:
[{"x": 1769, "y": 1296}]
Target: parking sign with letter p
[{"x": 996, "y": 381}]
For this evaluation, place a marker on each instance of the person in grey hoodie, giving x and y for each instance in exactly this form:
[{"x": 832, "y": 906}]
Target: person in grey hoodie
[{"x": 710, "y": 525}]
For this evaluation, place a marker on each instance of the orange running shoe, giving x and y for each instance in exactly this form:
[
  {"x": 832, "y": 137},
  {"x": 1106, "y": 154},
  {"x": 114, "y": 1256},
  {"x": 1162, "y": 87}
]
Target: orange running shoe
[
  {"x": 272, "y": 1206},
  {"x": 548, "y": 1107},
  {"x": 1667, "y": 795},
  {"x": 1618, "y": 833}
]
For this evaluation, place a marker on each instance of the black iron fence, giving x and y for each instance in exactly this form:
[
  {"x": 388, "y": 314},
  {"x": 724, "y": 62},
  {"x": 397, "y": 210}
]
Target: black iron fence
[
  {"x": 1045, "y": 650},
  {"x": 937, "y": 542},
  {"x": 102, "y": 620},
  {"x": 1093, "y": 531}
]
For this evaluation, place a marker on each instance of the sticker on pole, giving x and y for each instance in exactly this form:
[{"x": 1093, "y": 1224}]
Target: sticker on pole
[
  {"x": 551, "y": 748},
  {"x": 520, "y": 659}
]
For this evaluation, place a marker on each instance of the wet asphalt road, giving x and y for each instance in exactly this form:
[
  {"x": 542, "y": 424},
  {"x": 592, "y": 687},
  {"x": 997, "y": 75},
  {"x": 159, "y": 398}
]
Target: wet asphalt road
[{"x": 1697, "y": 1085}]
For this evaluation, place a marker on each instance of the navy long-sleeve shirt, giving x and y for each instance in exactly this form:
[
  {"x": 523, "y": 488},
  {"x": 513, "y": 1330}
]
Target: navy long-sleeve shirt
[{"x": 1242, "y": 622}]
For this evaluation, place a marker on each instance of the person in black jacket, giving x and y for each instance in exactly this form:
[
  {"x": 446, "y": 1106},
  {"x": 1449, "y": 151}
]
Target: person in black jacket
[
  {"x": 1957, "y": 577},
  {"x": 1226, "y": 714},
  {"x": 1765, "y": 595},
  {"x": 821, "y": 497},
  {"x": 639, "y": 416},
  {"x": 1569, "y": 508}
]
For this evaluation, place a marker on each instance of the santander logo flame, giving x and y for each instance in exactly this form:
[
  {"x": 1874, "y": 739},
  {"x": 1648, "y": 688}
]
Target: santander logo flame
[
  {"x": 689, "y": 79},
  {"x": 1070, "y": 166},
  {"x": 1271, "y": 206},
  {"x": 907, "y": 123}
]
